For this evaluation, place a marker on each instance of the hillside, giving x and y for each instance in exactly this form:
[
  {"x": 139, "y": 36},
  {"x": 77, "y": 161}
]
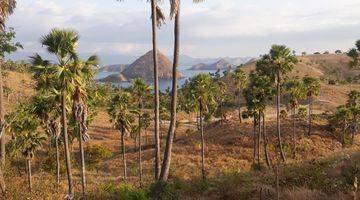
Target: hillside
[
  {"x": 328, "y": 68},
  {"x": 144, "y": 67},
  {"x": 321, "y": 170},
  {"x": 221, "y": 64}
]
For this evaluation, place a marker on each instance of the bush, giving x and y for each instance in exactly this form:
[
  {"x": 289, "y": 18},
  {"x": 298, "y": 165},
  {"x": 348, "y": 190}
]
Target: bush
[
  {"x": 94, "y": 154},
  {"x": 111, "y": 191}
]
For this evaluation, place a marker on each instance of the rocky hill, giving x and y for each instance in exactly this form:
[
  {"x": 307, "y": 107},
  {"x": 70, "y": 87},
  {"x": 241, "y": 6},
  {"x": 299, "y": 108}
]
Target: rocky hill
[
  {"x": 221, "y": 64},
  {"x": 143, "y": 67}
]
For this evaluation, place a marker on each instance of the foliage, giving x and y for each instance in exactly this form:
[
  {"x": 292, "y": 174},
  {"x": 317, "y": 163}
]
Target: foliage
[
  {"x": 6, "y": 44},
  {"x": 95, "y": 154}
]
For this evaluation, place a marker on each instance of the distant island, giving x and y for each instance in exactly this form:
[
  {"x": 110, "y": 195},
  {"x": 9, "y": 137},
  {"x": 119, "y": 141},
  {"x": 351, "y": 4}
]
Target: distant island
[
  {"x": 143, "y": 67},
  {"x": 222, "y": 64},
  {"x": 114, "y": 68}
]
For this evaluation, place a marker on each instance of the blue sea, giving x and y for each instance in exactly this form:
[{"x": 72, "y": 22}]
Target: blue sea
[{"x": 164, "y": 83}]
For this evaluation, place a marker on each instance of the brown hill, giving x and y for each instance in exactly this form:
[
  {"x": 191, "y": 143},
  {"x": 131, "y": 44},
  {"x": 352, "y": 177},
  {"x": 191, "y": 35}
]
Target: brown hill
[
  {"x": 144, "y": 67},
  {"x": 328, "y": 68}
]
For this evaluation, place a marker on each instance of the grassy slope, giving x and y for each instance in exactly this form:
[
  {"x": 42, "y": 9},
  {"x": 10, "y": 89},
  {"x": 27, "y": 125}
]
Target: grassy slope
[{"x": 228, "y": 151}]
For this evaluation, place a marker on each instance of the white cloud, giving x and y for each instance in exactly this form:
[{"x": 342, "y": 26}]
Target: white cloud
[{"x": 212, "y": 28}]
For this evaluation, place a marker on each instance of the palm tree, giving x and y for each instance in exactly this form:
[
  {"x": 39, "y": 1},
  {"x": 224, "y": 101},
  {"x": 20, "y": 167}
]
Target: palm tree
[
  {"x": 174, "y": 13},
  {"x": 62, "y": 43},
  {"x": 84, "y": 71},
  {"x": 28, "y": 143},
  {"x": 7, "y": 8},
  {"x": 141, "y": 91},
  {"x": 277, "y": 64},
  {"x": 145, "y": 123},
  {"x": 122, "y": 117},
  {"x": 221, "y": 96},
  {"x": 240, "y": 80},
  {"x": 202, "y": 90},
  {"x": 157, "y": 20},
  {"x": 312, "y": 87},
  {"x": 296, "y": 91}
]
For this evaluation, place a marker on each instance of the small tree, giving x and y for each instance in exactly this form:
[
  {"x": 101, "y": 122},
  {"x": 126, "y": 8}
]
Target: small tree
[
  {"x": 296, "y": 91},
  {"x": 340, "y": 123},
  {"x": 140, "y": 91},
  {"x": 312, "y": 87},
  {"x": 354, "y": 54},
  {"x": 28, "y": 139},
  {"x": 240, "y": 80},
  {"x": 121, "y": 113},
  {"x": 7, "y": 46},
  {"x": 353, "y": 104}
]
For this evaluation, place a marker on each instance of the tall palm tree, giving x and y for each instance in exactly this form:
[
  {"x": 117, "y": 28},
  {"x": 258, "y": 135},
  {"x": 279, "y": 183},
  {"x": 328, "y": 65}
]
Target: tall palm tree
[
  {"x": 296, "y": 91},
  {"x": 84, "y": 71},
  {"x": 7, "y": 8},
  {"x": 157, "y": 19},
  {"x": 277, "y": 64},
  {"x": 240, "y": 80},
  {"x": 312, "y": 86},
  {"x": 141, "y": 91},
  {"x": 62, "y": 43},
  {"x": 122, "y": 117},
  {"x": 174, "y": 13},
  {"x": 202, "y": 90}
]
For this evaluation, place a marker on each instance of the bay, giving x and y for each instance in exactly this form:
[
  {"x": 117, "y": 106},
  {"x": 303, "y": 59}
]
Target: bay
[{"x": 163, "y": 83}]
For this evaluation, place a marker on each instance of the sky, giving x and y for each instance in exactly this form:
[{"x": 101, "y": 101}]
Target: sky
[{"x": 214, "y": 28}]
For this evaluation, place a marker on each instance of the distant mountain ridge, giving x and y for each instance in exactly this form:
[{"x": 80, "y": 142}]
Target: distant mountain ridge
[{"x": 221, "y": 64}]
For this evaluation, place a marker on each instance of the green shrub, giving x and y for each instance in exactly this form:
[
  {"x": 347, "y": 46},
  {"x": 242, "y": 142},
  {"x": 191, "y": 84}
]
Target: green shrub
[{"x": 95, "y": 154}]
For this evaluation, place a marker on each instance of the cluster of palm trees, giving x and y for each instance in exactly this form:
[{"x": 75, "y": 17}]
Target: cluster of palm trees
[{"x": 269, "y": 80}]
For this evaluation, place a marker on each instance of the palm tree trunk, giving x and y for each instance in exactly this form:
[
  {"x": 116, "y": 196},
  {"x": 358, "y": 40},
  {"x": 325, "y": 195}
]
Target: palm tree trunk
[
  {"x": 267, "y": 158},
  {"x": 310, "y": 113},
  {"x": 123, "y": 152},
  {"x": 82, "y": 158},
  {"x": 343, "y": 142},
  {"x": 146, "y": 137},
  {"x": 29, "y": 173},
  {"x": 278, "y": 116},
  {"x": 139, "y": 146},
  {"x": 239, "y": 109},
  {"x": 2, "y": 182},
  {"x": 170, "y": 138},
  {"x": 258, "y": 139},
  {"x": 293, "y": 134},
  {"x": 156, "y": 90},
  {"x": 254, "y": 139},
  {"x": 2, "y": 120},
  {"x": 66, "y": 142},
  {"x": 57, "y": 161},
  {"x": 202, "y": 142}
]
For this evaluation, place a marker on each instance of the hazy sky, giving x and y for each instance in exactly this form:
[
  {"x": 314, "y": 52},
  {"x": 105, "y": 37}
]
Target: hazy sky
[{"x": 211, "y": 29}]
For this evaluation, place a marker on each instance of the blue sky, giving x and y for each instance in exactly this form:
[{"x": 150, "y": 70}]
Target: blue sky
[{"x": 211, "y": 29}]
